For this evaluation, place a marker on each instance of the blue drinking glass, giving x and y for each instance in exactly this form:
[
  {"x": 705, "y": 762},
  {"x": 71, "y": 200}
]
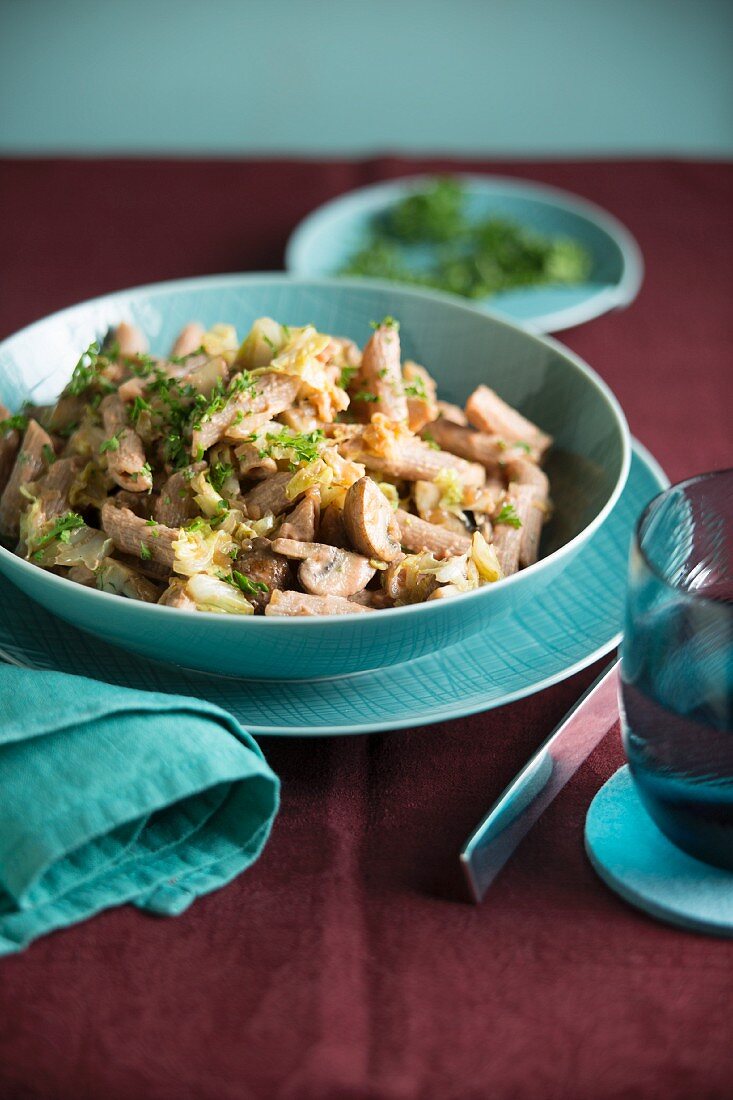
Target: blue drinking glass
[{"x": 677, "y": 665}]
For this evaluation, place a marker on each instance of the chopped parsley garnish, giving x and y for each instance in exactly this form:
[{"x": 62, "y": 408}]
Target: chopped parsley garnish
[
  {"x": 197, "y": 524},
  {"x": 139, "y": 406},
  {"x": 431, "y": 238},
  {"x": 221, "y": 395},
  {"x": 218, "y": 474},
  {"x": 365, "y": 395},
  {"x": 179, "y": 360},
  {"x": 17, "y": 423},
  {"x": 145, "y": 552},
  {"x": 141, "y": 364},
  {"x": 111, "y": 444},
  {"x": 48, "y": 453},
  {"x": 304, "y": 447},
  {"x": 87, "y": 372},
  {"x": 61, "y": 530},
  {"x": 386, "y": 322},
  {"x": 523, "y": 446},
  {"x": 416, "y": 388},
  {"x": 269, "y": 342},
  {"x": 430, "y": 440},
  {"x": 249, "y": 587},
  {"x": 347, "y": 374},
  {"x": 508, "y": 515}
]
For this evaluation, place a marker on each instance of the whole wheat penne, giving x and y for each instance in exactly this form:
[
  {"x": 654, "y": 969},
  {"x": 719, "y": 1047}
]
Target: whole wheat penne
[
  {"x": 491, "y": 451},
  {"x": 486, "y": 411},
  {"x": 28, "y": 466},
  {"x": 420, "y": 391},
  {"x": 418, "y": 535},
  {"x": 415, "y": 460},
  {"x": 175, "y": 505},
  {"x": 245, "y": 412},
  {"x": 53, "y": 488},
  {"x": 517, "y": 540},
  {"x": 129, "y": 339},
  {"x": 380, "y": 376},
  {"x": 137, "y": 536},
  {"x": 451, "y": 412},
  {"x": 269, "y": 496},
  {"x": 126, "y": 460},
  {"x": 303, "y": 603},
  {"x": 189, "y": 340},
  {"x": 302, "y": 523}
]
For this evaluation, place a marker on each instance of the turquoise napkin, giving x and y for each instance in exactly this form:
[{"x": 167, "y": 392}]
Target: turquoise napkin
[{"x": 109, "y": 795}]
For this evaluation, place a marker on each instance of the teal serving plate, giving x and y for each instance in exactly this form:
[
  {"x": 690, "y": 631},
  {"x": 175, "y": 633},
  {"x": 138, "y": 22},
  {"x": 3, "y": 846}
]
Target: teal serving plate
[
  {"x": 459, "y": 345},
  {"x": 574, "y": 622},
  {"x": 327, "y": 238}
]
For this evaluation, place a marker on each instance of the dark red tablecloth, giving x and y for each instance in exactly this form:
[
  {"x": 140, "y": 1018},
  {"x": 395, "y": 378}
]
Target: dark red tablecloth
[{"x": 341, "y": 966}]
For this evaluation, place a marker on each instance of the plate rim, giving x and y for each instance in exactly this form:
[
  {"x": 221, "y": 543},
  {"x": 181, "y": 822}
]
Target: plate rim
[{"x": 608, "y": 298}]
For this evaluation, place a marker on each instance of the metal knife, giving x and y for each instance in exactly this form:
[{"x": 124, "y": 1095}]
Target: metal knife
[{"x": 539, "y": 782}]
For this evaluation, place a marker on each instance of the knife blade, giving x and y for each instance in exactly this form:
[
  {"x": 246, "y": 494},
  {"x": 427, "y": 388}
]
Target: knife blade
[{"x": 539, "y": 782}]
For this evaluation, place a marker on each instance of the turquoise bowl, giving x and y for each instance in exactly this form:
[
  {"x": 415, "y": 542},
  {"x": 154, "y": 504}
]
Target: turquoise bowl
[{"x": 459, "y": 345}]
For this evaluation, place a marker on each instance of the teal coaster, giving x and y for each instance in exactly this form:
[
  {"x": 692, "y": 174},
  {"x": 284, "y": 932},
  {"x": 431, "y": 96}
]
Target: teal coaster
[{"x": 637, "y": 861}]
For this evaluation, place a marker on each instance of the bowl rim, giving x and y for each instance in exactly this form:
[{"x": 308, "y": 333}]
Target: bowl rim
[
  {"x": 306, "y": 622},
  {"x": 617, "y": 295}
]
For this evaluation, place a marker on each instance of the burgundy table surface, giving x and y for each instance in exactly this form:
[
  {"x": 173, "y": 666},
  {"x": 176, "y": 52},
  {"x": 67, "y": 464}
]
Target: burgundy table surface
[{"x": 342, "y": 965}]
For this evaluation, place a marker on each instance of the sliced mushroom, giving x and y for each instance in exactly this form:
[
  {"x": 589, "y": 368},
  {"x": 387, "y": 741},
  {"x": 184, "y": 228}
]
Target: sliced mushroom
[
  {"x": 113, "y": 576},
  {"x": 370, "y": 522},
  {"x": 302, "y": 522},
  {"x": 327, "y": 570},
  {"x": 264, "y": 567},
  {"x": 301, "y": 604}
]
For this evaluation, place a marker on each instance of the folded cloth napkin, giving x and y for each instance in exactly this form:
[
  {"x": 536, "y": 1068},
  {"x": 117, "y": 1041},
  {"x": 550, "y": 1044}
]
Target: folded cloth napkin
[{"x": 109, "y": 795}]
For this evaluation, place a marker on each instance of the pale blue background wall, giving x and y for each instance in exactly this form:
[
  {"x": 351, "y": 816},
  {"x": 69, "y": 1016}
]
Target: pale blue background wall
[{"x": 339, "y": 76}]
